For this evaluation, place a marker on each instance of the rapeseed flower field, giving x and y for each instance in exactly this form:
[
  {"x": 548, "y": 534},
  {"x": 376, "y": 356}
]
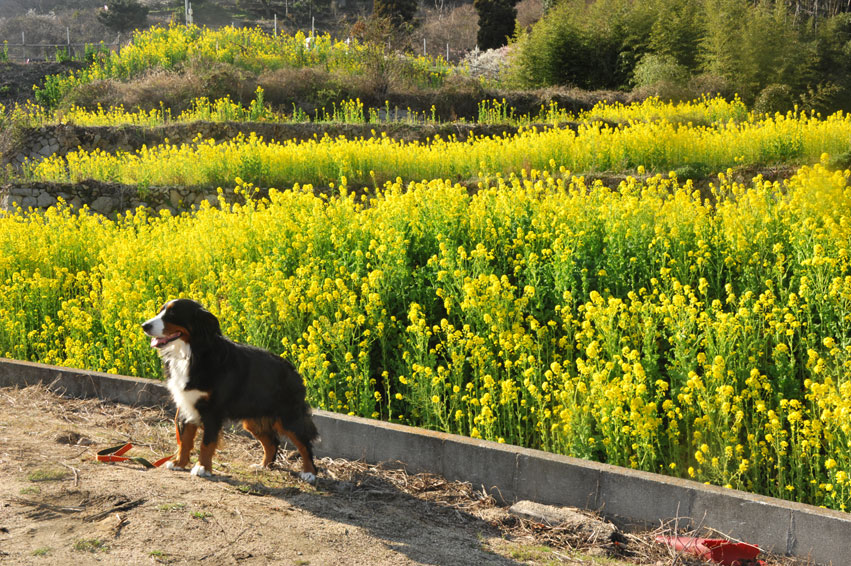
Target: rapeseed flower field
[
  {"x": 166, "y": 48},
  {"x": 643, "y": 324},
  {"x": 657, "y": 145},
  {"x": 705, "y": 111}
]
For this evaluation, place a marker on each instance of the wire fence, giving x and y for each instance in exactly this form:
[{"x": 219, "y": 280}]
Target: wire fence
[{"x": 23, "y": 51}]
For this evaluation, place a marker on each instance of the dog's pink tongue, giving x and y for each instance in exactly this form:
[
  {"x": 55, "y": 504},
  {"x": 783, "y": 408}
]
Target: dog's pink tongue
[{"x": 159, "y": 341}]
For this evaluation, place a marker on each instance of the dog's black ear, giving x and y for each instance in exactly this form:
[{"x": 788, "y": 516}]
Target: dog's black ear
[{"x": 205, "y": 326}]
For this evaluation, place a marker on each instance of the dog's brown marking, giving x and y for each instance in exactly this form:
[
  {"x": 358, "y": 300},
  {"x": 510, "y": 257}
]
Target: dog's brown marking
[
  {"x": 171, "y": 328},
  {"x": 263, "y": 431},
  {"x": 185, "y": 439},
  {"x": 205, "y": 458}
]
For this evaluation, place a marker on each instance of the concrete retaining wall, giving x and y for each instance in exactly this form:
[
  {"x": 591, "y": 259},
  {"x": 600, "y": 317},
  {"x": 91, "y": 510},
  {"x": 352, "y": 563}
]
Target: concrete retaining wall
[{"x": 514, "y": 473}]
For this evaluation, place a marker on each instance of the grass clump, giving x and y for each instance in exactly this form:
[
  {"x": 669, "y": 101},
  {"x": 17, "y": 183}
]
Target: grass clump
[
  {"x": 47, "y": 474},
  {"x": 91, "y": 545}
]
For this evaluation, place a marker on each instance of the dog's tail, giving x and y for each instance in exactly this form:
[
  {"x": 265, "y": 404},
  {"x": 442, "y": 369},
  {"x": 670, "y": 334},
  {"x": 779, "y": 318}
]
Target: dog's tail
[
  {"x": 301, "y": 424},
  {"x": 309, "y": 429}
]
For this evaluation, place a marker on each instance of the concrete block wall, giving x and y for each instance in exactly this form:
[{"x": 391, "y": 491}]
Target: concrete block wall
[{"x": 512, "y": 473}]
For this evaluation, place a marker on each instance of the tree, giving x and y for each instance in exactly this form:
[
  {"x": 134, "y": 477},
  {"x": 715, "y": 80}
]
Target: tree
[
  {"x": 753, "y": 46},
  {"x": 496, "y": 22},
  {"x": 123, "y": 15},
  {"x": 677, "y": 30},
  {"x": 398, "y": 12},
  {"x": 585, "y": 45}
]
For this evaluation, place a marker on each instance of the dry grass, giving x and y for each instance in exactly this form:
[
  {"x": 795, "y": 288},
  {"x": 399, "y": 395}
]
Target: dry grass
[
  {"x": 456, "y": 26},
  {"x": 529, "y": 12},
  {"x": 168, "y": 89}
]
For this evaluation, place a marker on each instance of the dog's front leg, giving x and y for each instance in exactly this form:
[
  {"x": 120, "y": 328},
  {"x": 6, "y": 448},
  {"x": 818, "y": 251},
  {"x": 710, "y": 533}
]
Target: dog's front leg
[
  {"x": 185, "y": 441},
  {"x": 209, "y": 442}
]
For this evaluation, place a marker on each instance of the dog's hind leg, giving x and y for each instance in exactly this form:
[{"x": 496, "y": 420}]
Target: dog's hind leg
[
  {"x": 305, "y": 449},
  {"x": 263, "y": 433}
]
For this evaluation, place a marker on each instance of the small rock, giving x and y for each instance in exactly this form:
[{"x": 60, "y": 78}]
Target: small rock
[
  {"x": 45, "y": 200},
  {"x": 73, "y": 438},
  {"x": 104, "y": 205},
  {"x": 588, "y": 527},
  {"x": 28, "y": 202}
]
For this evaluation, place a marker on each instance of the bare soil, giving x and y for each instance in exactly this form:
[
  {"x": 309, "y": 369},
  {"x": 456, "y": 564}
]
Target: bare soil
[
  {"x": 59, "y": 506},
  {"x": 17, "y": 79}
]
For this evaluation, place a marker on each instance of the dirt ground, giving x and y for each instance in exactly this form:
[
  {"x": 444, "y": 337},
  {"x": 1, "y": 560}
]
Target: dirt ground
[
  {"x": 59, "y": 506},
  {"x": 17, "y": 79}
]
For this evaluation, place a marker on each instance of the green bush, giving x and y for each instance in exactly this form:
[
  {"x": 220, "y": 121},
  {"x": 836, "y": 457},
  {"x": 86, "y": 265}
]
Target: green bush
[
  {"x": 654, "y": 69},
  {"x": 774, "y": 98},
  {"x": 823, "y": 97}
]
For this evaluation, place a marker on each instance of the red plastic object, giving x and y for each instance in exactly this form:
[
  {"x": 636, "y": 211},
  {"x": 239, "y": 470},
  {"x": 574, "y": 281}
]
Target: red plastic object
[
  {"x": 721, "y": 551},
  {"x": 116, "y": 454}
]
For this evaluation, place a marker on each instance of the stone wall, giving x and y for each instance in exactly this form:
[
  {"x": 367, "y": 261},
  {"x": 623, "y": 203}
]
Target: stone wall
[{"x": 108, "y": 198}]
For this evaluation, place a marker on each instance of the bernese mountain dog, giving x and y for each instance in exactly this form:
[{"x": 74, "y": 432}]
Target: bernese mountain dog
[{"x": 213, "y": 379}]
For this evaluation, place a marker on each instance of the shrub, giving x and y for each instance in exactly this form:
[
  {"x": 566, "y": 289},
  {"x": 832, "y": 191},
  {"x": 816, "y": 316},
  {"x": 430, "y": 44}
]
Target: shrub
[
  {"x": 489, "y": 64},
  {"x": 711, "y": 85},
  {"x": 311, "y": 85},
  {"x": 398, "y": 12},
  {"x": 104, "y": 92},
  {"x": 123, "y": 15},
  {"x": 774, "y": 98},
  {"x": 654, "y": 69},
  {"x": 822, "y": 96}
]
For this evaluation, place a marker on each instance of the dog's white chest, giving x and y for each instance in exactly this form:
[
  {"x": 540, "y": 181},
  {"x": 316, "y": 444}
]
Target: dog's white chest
[{"x": 177, "y": 354}]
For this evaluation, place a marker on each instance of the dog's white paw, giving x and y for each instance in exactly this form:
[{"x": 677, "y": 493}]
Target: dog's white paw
[
  {"x": 200, "y": 471},
  {"x": 172, "y": 466},
  {"x": 308, "y": 477},
  {"x": 258, "y": 467}
]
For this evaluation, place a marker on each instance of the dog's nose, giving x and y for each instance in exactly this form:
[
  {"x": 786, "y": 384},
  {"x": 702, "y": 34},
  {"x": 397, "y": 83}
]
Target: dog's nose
[{"x": 146, "y": 326}]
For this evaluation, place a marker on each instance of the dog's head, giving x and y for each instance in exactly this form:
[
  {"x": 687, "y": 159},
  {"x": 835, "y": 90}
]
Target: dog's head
[{"x": 182, "y": 319}]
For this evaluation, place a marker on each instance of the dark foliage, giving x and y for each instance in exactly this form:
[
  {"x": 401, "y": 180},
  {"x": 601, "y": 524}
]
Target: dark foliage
[
  {"x": 398, "y": 12},
  {"x": 496, "y": 22},
  {"x": 123, "y": 15}
]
